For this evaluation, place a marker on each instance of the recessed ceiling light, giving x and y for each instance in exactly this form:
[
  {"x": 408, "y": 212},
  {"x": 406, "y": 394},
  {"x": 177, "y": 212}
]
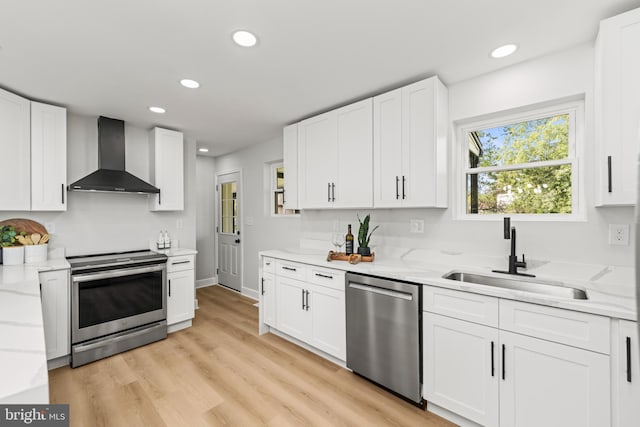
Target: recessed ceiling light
[
  {"x": 191, "y": 84},
  {"x": 158, "y": 110},
  {"x": 203, "y": 150},
  {"x": 244, "y": 38},
  {"x": 502, "y": 51}
]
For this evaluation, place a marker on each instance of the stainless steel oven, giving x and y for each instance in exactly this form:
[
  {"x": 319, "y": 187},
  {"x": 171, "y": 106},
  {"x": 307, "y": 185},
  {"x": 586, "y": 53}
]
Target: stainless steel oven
[{"x": 118, "y": 302}]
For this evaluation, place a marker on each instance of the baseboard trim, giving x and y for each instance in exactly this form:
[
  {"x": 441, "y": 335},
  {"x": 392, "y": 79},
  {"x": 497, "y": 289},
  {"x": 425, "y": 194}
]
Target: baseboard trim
[
  {"x": 209, "y": 281},
  {"x": 450, "y": 416},
  {"x": 250, "y": 293}
]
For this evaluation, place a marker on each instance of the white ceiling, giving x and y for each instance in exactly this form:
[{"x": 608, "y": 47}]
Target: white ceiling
[{"x": 118, "y": 57}]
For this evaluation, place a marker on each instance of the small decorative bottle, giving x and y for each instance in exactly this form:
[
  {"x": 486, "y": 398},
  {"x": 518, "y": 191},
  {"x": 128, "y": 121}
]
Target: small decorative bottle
[
  {"x": 167, "y": 240},
  {"x": 160, "y": 241}
]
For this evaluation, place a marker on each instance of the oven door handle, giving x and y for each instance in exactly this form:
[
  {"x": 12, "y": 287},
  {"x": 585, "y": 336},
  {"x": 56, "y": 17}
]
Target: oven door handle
[{"x": 116, "y": 273}]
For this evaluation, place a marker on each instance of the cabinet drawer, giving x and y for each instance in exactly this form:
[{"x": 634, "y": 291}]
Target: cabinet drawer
[
  {"x": 268, "y": 265},
  {"x": 583, "y": 330},
  {"x": 461, "y": 305},
  {"x": 326, "y": 277},
  {"x": 291, "y": 269},
  {"x": 180, "y": 263}
]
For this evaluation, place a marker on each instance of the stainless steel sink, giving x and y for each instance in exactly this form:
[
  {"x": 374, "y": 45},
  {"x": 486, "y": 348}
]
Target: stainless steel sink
[{"x": 528, "y": 285}]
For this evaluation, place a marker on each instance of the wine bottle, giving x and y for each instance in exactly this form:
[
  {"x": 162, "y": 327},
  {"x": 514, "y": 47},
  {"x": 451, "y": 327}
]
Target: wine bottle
[{"x": 348, "y": 239}]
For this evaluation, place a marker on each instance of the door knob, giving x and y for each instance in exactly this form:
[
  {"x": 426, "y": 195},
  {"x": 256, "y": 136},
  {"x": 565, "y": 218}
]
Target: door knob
[{"x": 237, "y": 240}]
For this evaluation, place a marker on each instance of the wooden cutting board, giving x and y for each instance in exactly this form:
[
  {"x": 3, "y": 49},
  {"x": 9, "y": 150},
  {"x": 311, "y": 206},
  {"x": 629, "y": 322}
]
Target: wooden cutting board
[{"x": 26, "y": 225}]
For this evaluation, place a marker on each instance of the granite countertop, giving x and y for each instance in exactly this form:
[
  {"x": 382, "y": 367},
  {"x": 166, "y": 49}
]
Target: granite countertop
[
  {"x": 610, "y": 289},
  {"x": 23, "y": 358}
]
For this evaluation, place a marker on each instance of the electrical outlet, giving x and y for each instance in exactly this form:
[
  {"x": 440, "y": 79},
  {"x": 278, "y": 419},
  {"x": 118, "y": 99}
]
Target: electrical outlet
[
  {"x": 417, "y": 225},
  {"x": 619, "y": 234}
]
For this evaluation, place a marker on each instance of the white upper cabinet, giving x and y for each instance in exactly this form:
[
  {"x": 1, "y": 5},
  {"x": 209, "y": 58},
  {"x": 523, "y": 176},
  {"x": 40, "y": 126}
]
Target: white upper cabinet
[
  {"x": 290, "y": 160},
  {"x": 335, "y": 158},
  {"x": 410, "y": 146},
  {"x": 15, "y": 146},
  {"x": 48, "y": 157},
  {"x": 617, "y": 100},
  {"x": 166, "y": 170}
]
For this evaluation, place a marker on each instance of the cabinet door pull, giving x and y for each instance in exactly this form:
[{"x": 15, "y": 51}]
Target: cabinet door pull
[
  {"x": 493, "y": 366},
  {"x": 288, "y": 268},
  {"x": 503, "y": 363},
  {"x": 326, "y": 276},
  {"x": 404, "y": 180},
  {"x": 62, "y": 192},
  {"x": 302, "y": 298},
  {"x": 180, "y": 262},
  {"x": 159, "y": 198},
  {"x": 283, "y": 200},
  {"x": 333, "y": 191},
  {"x": 610, "y": 186},
  {"x": 307, "y": 302},
  {"x": 629, "y": 359},
  {"x": 262, "y": 290},
  {"x": 169, "y": 287},
  {"x": 328, "y": 191},
  {"x": 397, "y": 191}
]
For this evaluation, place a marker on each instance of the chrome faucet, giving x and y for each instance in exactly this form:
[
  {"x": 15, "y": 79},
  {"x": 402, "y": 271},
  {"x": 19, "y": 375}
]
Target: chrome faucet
[{"x": 514, "y": 264}]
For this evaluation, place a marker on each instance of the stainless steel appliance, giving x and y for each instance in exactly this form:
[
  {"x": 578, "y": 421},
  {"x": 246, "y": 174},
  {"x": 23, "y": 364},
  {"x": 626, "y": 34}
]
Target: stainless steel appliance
[
  {"x": 118, "y": 302},
  {"x": 384, "y": 333}
]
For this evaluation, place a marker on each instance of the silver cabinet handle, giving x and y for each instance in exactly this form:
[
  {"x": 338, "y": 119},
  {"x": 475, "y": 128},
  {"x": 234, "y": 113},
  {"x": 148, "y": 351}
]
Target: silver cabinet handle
[
  {"x": 609, "y": 185},
  {"x": 288, "y": 268},
  {"x": 328, "y": 191},
  {"x": 180, "y": 262},
  {"x": 169, "y": 287},
  {"x": 404, "y": 180},
  {"x": 333, "y": 191},
  {"x": 397, "y": 192},
  {"x": 326, "y": 276}
]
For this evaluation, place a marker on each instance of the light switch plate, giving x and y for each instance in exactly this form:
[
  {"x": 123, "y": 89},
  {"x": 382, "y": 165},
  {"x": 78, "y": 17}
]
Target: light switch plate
[
  {"x": 619, "y": 234},
  {"x": 417, "y": 226}
]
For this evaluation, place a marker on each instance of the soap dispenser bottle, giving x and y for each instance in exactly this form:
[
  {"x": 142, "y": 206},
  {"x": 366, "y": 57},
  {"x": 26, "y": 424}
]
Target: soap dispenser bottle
[{"x": 167, "y": 240}]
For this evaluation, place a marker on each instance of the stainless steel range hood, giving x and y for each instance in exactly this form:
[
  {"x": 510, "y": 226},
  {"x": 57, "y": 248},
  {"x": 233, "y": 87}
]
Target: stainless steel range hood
[{"x": 111, "y": 175}]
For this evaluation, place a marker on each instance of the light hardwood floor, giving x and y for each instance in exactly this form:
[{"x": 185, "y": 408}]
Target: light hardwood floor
[{"x": 220, "y": 372}]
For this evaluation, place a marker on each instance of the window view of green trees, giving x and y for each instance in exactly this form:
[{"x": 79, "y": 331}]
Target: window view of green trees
[{"x": 529, "y": 187}]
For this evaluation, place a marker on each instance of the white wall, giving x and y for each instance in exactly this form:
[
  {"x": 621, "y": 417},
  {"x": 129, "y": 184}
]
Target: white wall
[
  {"x": 205, "y": 220},
  {"x": 547, "y": 78},
  {"x": 106, "y": 222},
  {"x": 267, "y": 232}
]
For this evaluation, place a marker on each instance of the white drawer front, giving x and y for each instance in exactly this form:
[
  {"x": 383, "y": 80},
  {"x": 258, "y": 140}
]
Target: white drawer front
[
  {"x": 583, "y": 330},
  {"x": 268, "y": 265},
  {"x": 180, "y": 263},
  {"x": 291, "y": 269},
  {"x": 327, "y": 277},
  {"x": 461, "y": 305}
]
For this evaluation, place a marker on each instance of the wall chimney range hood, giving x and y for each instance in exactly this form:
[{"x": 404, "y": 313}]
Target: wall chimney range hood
[{"x": 111, "y": 175}]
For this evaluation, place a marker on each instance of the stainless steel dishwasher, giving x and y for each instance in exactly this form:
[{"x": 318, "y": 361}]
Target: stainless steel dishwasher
[{"x": 384, "y": 333}]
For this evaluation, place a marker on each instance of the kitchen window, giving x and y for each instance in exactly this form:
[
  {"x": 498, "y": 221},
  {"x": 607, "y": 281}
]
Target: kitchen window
[
  {"x": 278, "y": 193},
  {"x": 524, "y": 165}
]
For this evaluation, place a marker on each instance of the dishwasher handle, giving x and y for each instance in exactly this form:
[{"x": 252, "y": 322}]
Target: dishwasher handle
[{"x": 381, "y": 291}]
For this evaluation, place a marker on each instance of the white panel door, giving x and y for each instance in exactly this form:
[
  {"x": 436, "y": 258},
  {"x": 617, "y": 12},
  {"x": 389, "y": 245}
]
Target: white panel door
[
  {"x": 552, "y": 385},
  {"x": 461, "y": 367},
  {"x": 618, "y": 108},
  {"x": 627, "y": 372},
  {"x": 15, "y": 175},
  {"x": 290, "y": 161},
  {"x": 54, "y": 291},
  {"x": 228, "y": 230},
  {"x": 48, "y": 157},
  {"x": 387, "y": 149},
  {"x": 318, "y": 157},
  {"x": 180, "y": 296},
  {"x": 354, "y": 183},
  {"x": 418, "y": 131},
  {"x": 167, "y": 170},
  {"x": 268, "y": 292},
  {"x": 291, "y": 316},
  {"x": 327, "y": 307}
]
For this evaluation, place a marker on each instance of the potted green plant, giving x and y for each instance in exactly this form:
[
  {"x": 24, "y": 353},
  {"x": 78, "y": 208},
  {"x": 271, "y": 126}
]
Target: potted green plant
[
  {"x": 364, "y": 235},
  {"x": 11, "y": 253}
]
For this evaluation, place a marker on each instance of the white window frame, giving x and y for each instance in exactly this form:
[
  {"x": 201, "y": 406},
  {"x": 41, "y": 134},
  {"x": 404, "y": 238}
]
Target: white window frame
[
  {"x": 273, "y": 185},
  {"x": 574, "y": 108}
]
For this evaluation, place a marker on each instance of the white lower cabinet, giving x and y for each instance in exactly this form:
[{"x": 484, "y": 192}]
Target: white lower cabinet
[
  {"x": 495, "y": 377},
  {"x": 180, "y": 291},
  {"x": 268, "y": 305},
  {"x": 306, "y": 303},
  {"x": 550, "y": 384},
  {"x": 461, "y": 367},
  {"x": 54, "y": 293},
  {"x": 626, "y": 375}
]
